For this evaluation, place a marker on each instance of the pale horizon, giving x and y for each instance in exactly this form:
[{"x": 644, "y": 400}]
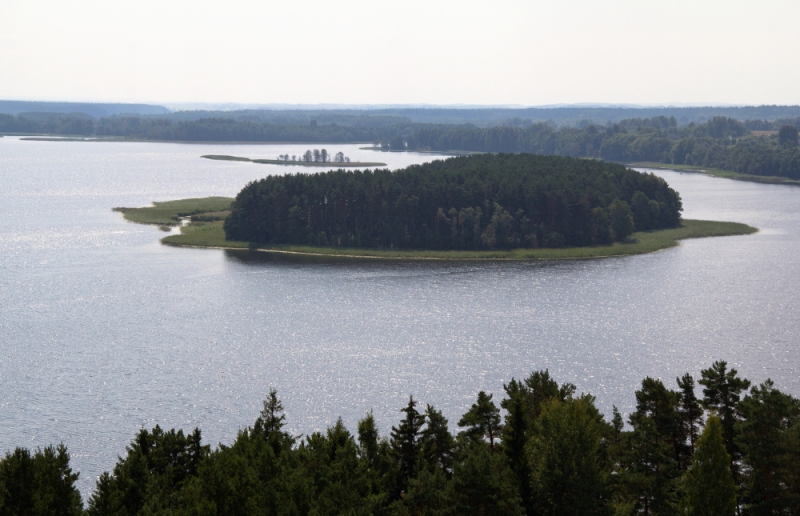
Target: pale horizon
[{"x": 360, "y": 53}]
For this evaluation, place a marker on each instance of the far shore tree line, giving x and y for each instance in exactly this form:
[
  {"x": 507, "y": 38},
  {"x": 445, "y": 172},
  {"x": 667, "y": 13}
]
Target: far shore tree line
[
  {"x": 757, "y": 147},
  {"x": 543, "y": 449},
  {"x": 316, "y": 156}
]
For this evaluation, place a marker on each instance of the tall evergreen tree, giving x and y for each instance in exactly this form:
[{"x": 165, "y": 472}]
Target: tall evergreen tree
[
  {"x": 405, "y": 444},
  {"x": 722, "y": 390},
  {"x": 541, "y": 388},
  {"x": 482, "y": 420},
  {"x": 647, "y": 468},
  {"x": 436, "y": 442},
  {"x": 660, "y": 404},
  {"x": 483, "y": 485},
  {"x": 565, "y": 456},
  {"x": 38, "y": 484},
  {"x": 690, "y": 411},
  {"x": 515, "y": 436},
  {"x": 767, "y": 414},
  {"x": 709, "y": 489},
  {"x": 721, "y": 393}
]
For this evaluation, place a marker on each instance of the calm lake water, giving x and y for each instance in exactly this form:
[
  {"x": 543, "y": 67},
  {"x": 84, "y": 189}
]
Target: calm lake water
[{"x": 104, "y": 331}]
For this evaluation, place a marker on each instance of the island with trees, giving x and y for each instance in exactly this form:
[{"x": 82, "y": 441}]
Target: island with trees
[
  {"x": 488, "y": 206},
  {"x": 311, "y": 158},
  {"x": 542, "y": 449}
]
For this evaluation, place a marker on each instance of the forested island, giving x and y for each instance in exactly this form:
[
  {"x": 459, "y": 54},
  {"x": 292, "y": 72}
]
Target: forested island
[
  {"x": 542, "y": 449},
  {"x": 485, "y": 207},
  {"x": 481, "y": 202}
]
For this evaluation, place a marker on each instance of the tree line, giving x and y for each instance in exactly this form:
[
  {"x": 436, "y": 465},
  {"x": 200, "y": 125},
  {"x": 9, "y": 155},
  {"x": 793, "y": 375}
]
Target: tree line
[
  {"x": 542, "y": 450},
  {"x": 719, "y": 143},
  {"x": 316, "y": 156},
  {"x": 485, "y": 201}
]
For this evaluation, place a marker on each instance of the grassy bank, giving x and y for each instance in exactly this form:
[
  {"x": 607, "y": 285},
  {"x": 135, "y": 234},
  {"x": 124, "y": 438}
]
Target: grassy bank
[
  {"x": 327, "y": 164},
  {"x": 717, "y": 172},
  {"x": 170, "y": 213},
  {"x": 211, "y": 235}
]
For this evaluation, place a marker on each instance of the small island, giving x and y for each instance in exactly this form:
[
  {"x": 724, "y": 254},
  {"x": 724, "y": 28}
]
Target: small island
[
  {"x": 315, "y": 158},
  {"x": 486, "y": 207}
]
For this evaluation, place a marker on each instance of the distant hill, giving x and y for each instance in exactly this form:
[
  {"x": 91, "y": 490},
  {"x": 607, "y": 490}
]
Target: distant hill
[{"x": 95, "y": 110}]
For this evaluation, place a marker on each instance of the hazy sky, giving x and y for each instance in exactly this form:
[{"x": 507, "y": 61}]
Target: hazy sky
[{"x": 367, "y": 52}]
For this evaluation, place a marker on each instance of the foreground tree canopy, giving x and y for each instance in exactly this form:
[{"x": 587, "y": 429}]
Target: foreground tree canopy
[
  {"x": 476, "y": 202},
  {"x": 543, "y": 451}
]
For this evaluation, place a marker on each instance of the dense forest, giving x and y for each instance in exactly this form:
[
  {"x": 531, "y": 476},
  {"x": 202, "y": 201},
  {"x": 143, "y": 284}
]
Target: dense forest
[
  {"x": 542, "y": 450},
  {"x": 484, "y": 201},
  {"x": 719, "y": 143},
  {"x": 755, "y": 146}
]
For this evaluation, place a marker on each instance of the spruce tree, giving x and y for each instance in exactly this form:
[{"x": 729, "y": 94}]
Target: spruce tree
[
  {"x": 690, "y": 411},
  {"x": 437, "y": 443},
  {"x": 515, "y": 436},
  {"x": 709, "y": 489},
  {"x": 405, "y": 444}
]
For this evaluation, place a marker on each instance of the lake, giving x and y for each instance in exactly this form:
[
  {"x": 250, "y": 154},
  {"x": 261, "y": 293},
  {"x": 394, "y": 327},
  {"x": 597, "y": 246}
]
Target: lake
[{"x": 104, "y": 331}]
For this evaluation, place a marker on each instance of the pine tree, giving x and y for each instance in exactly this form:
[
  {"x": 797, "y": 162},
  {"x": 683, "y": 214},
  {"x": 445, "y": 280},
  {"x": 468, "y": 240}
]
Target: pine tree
[
  {"x": 647, "y": 468},
  {"x": 721, "y": 393},
  {"x": 482, "y": 420},
  {"x": 709, "y": 489}
]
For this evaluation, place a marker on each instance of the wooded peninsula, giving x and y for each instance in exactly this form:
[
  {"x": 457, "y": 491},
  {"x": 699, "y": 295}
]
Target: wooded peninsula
[{"x": 542, "y": 450}]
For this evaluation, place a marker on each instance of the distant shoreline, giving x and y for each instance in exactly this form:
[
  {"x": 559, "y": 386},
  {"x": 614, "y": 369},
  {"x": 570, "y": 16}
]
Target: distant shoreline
[
  {"x": 31, "y": 138},
  {"x": 205, "y": 231},
  {"x": 716, "y": 172}
]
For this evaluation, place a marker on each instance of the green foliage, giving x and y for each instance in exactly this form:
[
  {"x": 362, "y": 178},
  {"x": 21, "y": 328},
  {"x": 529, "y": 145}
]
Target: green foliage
[
  {"x": 788, "y": 136},
  {"x": 721, "y": 393},
  {"x": 483, "y": 485},
  {"x": 405, "y": 444},
  {"x": 621, "y": 220},
  {"x": 555, "y": 455},
  {"x": 38, "y": 484},
  {"x": 482, "y": 420},
  {"x": 156, "y": 468},
  {"x": 766, "y": 416},
  {"x": 691, "y": 413},
  {"x": 566, "y": 460},
  {"x": 501, "y": 201},
  {"x": 709, "y": 489}
]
